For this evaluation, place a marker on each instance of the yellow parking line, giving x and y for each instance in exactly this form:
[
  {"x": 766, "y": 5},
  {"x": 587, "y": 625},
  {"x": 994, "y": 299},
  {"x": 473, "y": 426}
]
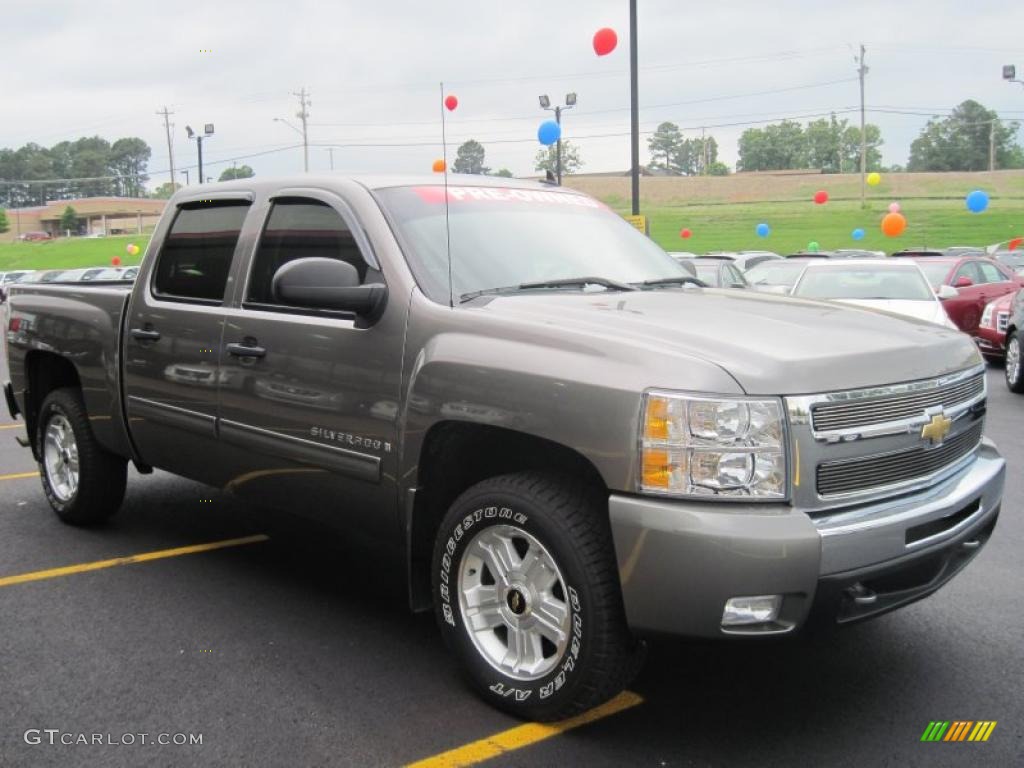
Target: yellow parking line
[
  {"x": 523, "y": 736},
  {"x": 20, "y": 475},
  {"x": 67, "y": 570},
  {"x": 15, "y": 425}
]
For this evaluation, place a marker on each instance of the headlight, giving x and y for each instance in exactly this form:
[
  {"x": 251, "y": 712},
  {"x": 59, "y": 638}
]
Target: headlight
[
  {"x": 705, "y": 446},
  {"x": 986, "y": 316}
]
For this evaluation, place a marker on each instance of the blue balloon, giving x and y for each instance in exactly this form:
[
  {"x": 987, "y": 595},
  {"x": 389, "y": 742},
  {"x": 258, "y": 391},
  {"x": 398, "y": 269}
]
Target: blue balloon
[
  {"x": 977, "y": 201},
  {"x": 549, "y": 132},
  {"x": 858, "y": 234},
  {"x": 763, "y": 230}
]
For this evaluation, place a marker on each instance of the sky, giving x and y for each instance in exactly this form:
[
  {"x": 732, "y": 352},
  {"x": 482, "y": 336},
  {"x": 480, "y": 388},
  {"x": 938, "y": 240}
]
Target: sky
[{"x": 374, "y": 72}]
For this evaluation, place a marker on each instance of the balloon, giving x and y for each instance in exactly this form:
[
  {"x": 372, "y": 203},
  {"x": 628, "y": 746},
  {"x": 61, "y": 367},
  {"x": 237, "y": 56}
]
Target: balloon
[
  {"x": 812, "y": 247},
  {"x": 605, "y": 41},
  {"x": 685, "y": 233},
  {"x": 857, "y": 234},
  {"x": 763, "y": 230},
  {"x": 893, "y": 224},
  {"x": 1013, "y": 244},
  {"x": 116, "y": 261},
  {"x": 977, "y": 201},
  {"x": 894, "y": 207},
  {"x": 874, "y": 178},
  {"x": 821, "y": 197},
  {"x": 439, "y": 166},
  {"x": 451, "y": 102},
  {"x": 549, "y": 132}
]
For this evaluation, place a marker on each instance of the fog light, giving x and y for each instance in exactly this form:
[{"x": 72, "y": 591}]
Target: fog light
[{"x": 751, "y": 610}]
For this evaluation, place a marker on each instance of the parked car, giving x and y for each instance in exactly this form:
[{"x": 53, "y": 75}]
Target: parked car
[
  {"x": 978, "y": 281},
  {"x": 41, "y": 276},
  {"x": 896, "y": 287},
  {"x": 856, "y": 253},
  {"x": 991, "y": 334},
  {"x": 778, "y": 275},
  {"x": 9, "y": 278},
  {"x": 1013, "y": 259},
  {"x": 743, "y": 260},
  {"x": 35, "y": 236},
  {"x": 963, "y": 250},
  {"x": 585, "y": 449},
  {"x": 718, "y": 273},
  {"x": 918, "y": 252},
  {"x": 1014, "y": 370}
]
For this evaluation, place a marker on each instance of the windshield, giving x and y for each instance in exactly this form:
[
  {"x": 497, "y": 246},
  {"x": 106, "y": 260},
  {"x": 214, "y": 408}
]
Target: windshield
[
  {"x": 507, "y": 237},
  {"x": 708, "y": 273},
  {"x": 935, "y": 271},
  {"x": 903, "y": 282},
  {"x": 775, "y": 272}
]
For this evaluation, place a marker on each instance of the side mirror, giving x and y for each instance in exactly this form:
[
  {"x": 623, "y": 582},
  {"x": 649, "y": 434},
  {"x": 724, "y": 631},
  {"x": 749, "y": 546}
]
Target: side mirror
[
  {"x": 948, "y": 291},
  {"x": 320, "y": 283},
  {"x": 963, "y": 282}
]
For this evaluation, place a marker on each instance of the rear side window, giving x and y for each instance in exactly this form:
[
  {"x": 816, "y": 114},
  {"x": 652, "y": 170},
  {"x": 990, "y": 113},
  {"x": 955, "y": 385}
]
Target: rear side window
[
  {"x": 196, "y": 256},
  {"x": 300, "y": 228},
  {"x": 991, "y": 273}
]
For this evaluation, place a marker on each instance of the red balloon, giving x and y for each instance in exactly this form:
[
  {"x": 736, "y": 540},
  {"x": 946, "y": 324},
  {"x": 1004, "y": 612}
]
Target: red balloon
[
  {"x": 605, "y": 41},
  {"x": 1015, "y": 243},
  {"x": 821, "y": 197},
  {"x": 451, "y": 102},
  {"x": 116, "y": 261},
  {"x": 685, "y": 233}
]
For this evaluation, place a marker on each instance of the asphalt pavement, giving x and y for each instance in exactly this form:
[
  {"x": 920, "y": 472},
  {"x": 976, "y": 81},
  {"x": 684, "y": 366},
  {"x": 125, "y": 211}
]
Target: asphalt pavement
[{"x": 299, "y": 650}]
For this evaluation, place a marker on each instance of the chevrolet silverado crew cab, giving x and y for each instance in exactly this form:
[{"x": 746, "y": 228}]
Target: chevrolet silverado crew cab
[{"x": 571, "y": 441}]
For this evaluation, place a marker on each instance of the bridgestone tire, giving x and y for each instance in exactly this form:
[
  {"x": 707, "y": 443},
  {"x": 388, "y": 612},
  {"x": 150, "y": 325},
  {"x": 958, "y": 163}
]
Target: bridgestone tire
[
  {"x": 101, "y": 476},
  {"x": 568, "y": 519},
  {"x": 1014, "y": 363}
]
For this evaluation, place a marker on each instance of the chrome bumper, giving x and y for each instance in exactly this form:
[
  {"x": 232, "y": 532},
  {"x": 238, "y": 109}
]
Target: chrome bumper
[{"x": 679, "y": 561}]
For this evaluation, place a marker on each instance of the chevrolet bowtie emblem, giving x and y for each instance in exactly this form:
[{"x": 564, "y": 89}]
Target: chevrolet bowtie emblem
[{"x": 937, "y": 429}]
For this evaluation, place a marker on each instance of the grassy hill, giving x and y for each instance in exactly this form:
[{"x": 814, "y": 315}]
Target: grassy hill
[{"x": 70, "y": 252}]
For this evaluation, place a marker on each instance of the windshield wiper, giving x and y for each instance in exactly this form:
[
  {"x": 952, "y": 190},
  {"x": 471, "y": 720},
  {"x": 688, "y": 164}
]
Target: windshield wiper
[
  {"x": 681, "y": 280},
  {"x": 567, "y": 282}
]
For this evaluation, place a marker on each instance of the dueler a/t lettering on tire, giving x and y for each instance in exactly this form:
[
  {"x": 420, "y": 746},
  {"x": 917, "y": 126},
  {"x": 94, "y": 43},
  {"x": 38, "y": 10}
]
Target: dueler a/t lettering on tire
[
  {"x": 528, "y": 596},
  {"x": 83, "y": 482}
]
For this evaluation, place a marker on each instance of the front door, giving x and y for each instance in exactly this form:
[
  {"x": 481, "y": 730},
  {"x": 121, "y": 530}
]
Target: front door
[
  {"x": 173, "y": 340},
  {"x": 311, "y": 398}
]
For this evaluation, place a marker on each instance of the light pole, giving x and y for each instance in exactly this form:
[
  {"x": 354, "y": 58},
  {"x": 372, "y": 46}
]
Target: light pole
[
  {"x": 208, "y": 132},
  {"x": 545, "y": 103}
]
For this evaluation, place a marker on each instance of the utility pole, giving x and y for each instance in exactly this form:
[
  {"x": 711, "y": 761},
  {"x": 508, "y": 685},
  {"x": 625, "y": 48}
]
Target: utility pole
[
  {"x": 330, "y": 151},
  {"x": 170, "y": 145},
  {"x": 634, "y": 108},
  {"x": 862, "y": 71},
  {"x": 992, "y": 145},
  {"x": 303, "y": 115}
]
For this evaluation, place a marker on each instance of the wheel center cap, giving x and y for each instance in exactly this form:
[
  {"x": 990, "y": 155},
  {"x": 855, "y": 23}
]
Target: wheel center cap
[{"x": 517, "y": 602}]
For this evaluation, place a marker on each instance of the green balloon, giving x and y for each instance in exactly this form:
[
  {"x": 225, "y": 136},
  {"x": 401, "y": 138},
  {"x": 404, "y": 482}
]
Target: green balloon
[{"x": 812, "y": 247}]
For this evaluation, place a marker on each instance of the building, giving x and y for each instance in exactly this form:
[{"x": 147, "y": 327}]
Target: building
[{"x": 96, "y": 216}]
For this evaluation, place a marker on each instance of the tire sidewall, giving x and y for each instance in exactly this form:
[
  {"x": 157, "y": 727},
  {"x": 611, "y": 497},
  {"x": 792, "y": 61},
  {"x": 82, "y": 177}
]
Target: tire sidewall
[
  {"x": 51, "y": 407},
  {"x": 1018, "y": 384},
  {"x": 466, "y": 519}
]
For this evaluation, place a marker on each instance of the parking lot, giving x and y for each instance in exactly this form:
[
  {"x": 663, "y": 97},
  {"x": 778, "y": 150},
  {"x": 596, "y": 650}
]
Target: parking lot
[{"x": 298, "y": 649}]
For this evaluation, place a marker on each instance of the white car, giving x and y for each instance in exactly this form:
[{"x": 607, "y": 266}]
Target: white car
[{"x": 897, "y": 287}]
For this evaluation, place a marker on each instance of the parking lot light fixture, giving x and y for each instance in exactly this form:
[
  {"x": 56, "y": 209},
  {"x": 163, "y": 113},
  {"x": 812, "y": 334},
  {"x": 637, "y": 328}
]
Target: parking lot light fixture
[
  {"x": 207, "y": 133},
  {"x": 545, "y": 103}
]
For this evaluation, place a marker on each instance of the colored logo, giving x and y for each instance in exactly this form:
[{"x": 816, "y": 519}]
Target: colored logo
[
  {"x": 958, "y": 730},
  {"x": 937, "y": 429}
]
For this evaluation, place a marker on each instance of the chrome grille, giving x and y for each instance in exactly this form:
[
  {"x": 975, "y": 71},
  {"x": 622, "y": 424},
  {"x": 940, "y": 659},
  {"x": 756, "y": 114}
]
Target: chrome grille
[
  {"x": 878, "y": 471},
  {"x": 1002, "y": 321},
  {"x": 853, "y": 414}
]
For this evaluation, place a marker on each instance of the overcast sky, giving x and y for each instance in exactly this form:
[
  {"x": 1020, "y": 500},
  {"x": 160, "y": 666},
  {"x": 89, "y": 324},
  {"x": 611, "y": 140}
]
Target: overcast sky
[{"x": 373, "y": 71}]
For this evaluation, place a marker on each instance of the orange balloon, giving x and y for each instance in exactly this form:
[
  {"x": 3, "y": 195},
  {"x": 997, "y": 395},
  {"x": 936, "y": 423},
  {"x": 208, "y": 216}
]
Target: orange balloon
[
  {"x": 438, "y": 166},
  {"x": 893, "y": 224}
]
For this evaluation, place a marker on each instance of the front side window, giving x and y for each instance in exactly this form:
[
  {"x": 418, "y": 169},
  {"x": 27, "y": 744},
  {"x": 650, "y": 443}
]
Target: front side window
[
  {"x": 969, "y": 270},
  {"x": 300, "y": 228},
  {"x": 196, "y": 255}
]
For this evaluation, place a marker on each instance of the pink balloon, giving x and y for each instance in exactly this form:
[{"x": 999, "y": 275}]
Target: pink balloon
[{"x": 894, "y": 207}]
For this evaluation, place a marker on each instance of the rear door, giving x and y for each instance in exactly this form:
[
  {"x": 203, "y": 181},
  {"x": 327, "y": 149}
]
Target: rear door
[
  {"x": 996, "y": 282},
  {"x": 310, "y": 400},
  {"x": 173, "y": 339},
  {"x": 966, "y": 309}
]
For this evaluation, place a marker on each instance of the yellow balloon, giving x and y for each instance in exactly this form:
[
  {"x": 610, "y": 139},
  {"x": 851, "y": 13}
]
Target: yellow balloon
[{"x": 874, "y": 178}]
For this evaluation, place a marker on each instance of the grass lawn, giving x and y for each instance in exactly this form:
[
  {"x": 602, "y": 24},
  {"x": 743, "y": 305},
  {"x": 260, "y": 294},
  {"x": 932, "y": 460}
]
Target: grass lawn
[
  {"x": 70, "y": 252},
  {"x": 730, "y": 226}
]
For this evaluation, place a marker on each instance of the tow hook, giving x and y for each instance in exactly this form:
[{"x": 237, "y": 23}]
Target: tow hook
[{"x": 861, "y": 595}]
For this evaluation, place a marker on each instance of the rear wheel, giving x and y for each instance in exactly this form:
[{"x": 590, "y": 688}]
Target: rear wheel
[
  {"x": 528, "y": 596},
  {"x": 83, "y": 482},
  {"x": 1014, "y": 367}
]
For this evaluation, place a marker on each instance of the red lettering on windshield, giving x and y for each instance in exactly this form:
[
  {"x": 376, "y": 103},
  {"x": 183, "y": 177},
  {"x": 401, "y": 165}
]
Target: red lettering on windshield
[{"x": 435, "y": 194}]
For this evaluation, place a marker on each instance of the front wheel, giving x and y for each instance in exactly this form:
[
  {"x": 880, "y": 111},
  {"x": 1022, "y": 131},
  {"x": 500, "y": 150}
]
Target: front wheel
[
  {"x": 83, "y": 482},
  {"x": 1014, "y": 367},
  {"x": 528, "y": 596}
]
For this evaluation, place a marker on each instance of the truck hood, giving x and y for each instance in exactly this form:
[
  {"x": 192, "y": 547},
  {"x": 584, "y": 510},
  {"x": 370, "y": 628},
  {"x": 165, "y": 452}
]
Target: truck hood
[
  {"x": 768, "y": 344},
  {"x": 931, "y": 311}
]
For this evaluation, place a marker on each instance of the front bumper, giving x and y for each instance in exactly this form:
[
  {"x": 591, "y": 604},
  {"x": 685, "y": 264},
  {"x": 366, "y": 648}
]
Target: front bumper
[
  {"x": 680, "y": 561},
  {"x": 990, "y": 342}
]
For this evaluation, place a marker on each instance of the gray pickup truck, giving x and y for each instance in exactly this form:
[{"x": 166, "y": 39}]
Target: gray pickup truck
[{"x": 567, "y": 440}]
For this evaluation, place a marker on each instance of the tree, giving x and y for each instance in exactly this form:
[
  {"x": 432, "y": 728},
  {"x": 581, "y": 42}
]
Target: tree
[
  {"x": 850, "y": 148},
  {"x": 780, "y": 146},
  {"x": 666, "y": 142},
  {"x": 546, "y": 159},
  {"x": 504, "y": 172},
  {"x": 718, "y": 169},
  {"x": 69, "y": 220},
  {"x": 961, "y": 142},
  {"x": 236, "y": 172},
  {"x": 165, "y": 190},
  {"x": 128, "y": 159},
  {"x": 470, "y": 158},
  {"x": 5, "y": 225}
]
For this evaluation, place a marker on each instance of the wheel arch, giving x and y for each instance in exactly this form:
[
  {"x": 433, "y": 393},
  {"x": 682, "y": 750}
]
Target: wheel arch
[{"x": 44, "y": 372}]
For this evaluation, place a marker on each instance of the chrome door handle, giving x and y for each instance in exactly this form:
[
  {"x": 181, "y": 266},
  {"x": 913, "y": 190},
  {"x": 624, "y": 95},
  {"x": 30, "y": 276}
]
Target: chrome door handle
[
  {"x": 145, "y": 334},
  {"x": 244, "y": 350}
]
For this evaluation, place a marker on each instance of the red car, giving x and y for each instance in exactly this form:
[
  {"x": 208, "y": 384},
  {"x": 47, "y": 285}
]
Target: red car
[
  {"x": 991, "y": 334},
  {"x": 978, "y": 281}
]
